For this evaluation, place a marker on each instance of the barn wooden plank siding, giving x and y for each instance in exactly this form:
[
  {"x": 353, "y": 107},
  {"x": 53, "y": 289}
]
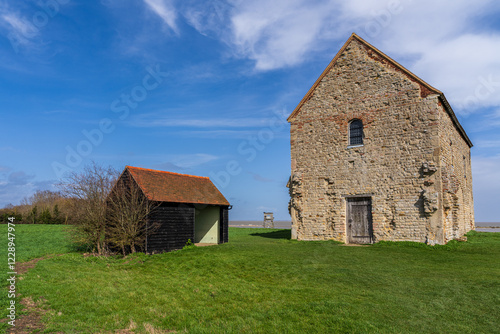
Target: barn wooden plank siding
[
  {"x": 224, "y": 228},
  {"x": 176, "y": 227},
  {"x": 180, "y": 200},
  {"x": 377, "y": 154}
]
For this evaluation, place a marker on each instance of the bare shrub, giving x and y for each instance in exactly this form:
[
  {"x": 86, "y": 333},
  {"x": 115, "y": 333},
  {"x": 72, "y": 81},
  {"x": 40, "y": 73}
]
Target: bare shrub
[
  {"x": 128, "y": 209},
  {"x": 89, "y": 190}
]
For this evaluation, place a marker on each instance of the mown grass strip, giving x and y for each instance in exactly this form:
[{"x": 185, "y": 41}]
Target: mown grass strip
[{"x": 262, "y": 282}]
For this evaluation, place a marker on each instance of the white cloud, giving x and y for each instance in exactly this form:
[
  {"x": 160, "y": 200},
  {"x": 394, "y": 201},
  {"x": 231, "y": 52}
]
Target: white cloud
[
  {"x": 486, "y": 180},
  {"x": 13, "y": 194},
  {"x": 153, "y": 120},
  {"x": 487, "y": 143},
  {"x": 18, "y": 30},
  {"x": 186, "y": 161},
  {"x": 166, "y": 11},
  {"x": 23, "y": 24},
  {"x": 260, "y": 178},
  {"x": 485, "y": 170},
  {"x": 212, "y": 134},
  {"x": 14, "y": 186},
  {"x": 443, "y": 42},
  {"x": 20, "y": 26},
  {"x": 466, "y": 68},
  {"x": 274, "y": 34},
  {"x": 20, "y": 178},
  {"x": 207, "y": 17},
  {"x": 281, "y": 33},
  {"x": 192, "y": 160},
  {"x": 4, "y": 169}
]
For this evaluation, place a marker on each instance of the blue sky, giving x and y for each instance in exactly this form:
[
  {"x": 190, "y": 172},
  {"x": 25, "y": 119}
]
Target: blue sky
[{"x": 204, "y": 87}]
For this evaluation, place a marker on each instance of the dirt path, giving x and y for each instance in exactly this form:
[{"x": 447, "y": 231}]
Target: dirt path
[{"x": 32, "y": 321}]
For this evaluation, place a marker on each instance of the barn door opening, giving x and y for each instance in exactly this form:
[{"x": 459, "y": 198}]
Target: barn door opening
[
  {"x": 206, "y": 225},
  {"x": 359, "y": 220}
]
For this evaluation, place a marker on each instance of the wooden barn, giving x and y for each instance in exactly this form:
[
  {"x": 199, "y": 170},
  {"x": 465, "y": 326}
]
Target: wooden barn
[{"x": 186, "y": 207}]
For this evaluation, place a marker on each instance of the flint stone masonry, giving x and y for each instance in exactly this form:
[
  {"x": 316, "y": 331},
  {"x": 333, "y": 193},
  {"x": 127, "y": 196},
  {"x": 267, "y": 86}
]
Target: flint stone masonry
[{"x": 414, "y": 163}]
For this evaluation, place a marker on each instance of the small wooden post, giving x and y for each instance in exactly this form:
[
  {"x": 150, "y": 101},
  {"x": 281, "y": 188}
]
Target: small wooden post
[{"x": 268, "y": 220}]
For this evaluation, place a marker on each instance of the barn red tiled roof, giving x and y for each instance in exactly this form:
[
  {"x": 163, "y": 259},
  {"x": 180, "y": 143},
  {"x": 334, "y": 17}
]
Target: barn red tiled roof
[{"x": 171, "y": 187}]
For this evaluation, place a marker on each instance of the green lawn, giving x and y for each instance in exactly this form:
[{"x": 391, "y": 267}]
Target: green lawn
[
  {"x": 31, "y": 241},
  {"x": 262, "y": 282}
]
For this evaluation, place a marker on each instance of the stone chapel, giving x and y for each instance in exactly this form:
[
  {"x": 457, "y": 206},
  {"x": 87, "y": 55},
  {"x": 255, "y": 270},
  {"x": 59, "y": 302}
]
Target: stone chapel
[{"x": 377, "y": 154}]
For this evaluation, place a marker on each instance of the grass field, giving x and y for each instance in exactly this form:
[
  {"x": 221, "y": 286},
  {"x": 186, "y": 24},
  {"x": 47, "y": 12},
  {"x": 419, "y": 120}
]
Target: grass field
[{"x": 262, "y": 282}]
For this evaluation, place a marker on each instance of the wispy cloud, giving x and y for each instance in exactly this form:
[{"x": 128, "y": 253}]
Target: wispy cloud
[
  {"x": 59, "y": 112},
  {"x": 23, "y": 23},
  {"x": 13, "y": 194},
  {"x": 260, "y": 178},
  {"x": 153, "y": 121},
  {"x": 274, "y": 34},
  {"x": 456, "y": 55},
  {"x": 485, "y": 169},
  {"x": 264, "y": 208},
  {"x": 487, "y": 143},
  {"x": 4, "y": 169},
  {"x": 20, "y": 178},
  {"x": 14, "y": 186},
  {"x": 208, "y": 17},
  {"x": 280, "y": 33},
  {"x": 17, "y": 28},
  {"x": 486, "y": 177},
  {"x": 20, "y": 25},
  {"x": 166, "y": 11},
  {"x": 186, "y": 161},
  {"x": 283, "y": 33},
  {"x": 217, "y": 134}
]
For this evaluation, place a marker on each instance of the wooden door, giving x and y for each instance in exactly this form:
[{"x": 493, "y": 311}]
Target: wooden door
[{"x": 359, "y": 220}]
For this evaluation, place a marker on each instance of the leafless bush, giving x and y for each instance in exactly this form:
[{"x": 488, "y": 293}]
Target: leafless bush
[
  {"x": 127, "y": 216},
  {"x": 89, "y": 190}
]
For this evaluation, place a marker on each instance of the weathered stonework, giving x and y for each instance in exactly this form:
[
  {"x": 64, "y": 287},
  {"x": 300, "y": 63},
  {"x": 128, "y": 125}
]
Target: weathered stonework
[{"x": 414, "y": 164}]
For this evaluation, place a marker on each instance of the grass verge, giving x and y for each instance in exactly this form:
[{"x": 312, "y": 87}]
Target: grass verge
[
  {"x": 262, "y": 282},
  {"x": 31, "y": 241}
]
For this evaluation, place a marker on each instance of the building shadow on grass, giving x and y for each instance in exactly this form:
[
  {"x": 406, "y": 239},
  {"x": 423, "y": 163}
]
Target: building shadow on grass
[{"x": 280, "y": 234}]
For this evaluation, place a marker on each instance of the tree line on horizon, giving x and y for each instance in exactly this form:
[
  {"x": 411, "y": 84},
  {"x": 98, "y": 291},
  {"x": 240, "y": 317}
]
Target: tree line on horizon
[
  {"x": 109, "y": 214},
  {"x": 43, "y": 207}
]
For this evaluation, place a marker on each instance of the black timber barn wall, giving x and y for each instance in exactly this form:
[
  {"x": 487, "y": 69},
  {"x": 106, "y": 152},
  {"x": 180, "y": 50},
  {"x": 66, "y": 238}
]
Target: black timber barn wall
[
  {"x": 224, "y": 224},
  {"x": 176, "y": 226}
]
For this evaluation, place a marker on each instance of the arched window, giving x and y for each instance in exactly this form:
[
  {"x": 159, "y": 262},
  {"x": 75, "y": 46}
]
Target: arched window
[{"x": 356, "y": 132}]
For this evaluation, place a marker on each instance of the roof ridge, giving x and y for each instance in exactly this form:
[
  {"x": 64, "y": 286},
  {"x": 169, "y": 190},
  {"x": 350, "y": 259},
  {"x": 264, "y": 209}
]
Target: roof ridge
[
  {"x": 167, "y": 172},
  {"x": 419, "y": 80},
  {"x": 395, "y": 63},
  {"x": 163, "y": 186},
  {"x": 412, "y": 76},
  {"x": 334, "y": 61}
]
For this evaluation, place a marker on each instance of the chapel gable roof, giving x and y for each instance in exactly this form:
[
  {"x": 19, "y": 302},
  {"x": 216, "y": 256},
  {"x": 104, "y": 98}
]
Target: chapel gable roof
[{"x": 375, "y": 53}]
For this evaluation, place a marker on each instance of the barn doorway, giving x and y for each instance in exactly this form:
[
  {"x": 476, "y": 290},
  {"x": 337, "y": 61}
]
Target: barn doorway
[
  {"x": 359, "y": 220},
  {"x": 206, "y": 225}
]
